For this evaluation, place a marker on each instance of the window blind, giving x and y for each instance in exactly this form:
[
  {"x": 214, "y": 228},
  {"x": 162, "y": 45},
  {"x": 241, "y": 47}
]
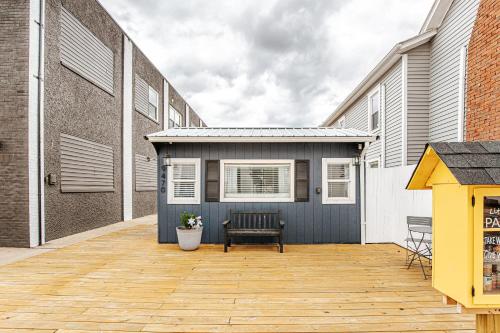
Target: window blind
[{"x": 257, "y": 181}]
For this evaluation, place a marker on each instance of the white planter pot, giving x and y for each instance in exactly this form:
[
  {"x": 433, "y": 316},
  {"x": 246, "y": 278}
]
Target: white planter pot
[{"x": 189, "y": 239}]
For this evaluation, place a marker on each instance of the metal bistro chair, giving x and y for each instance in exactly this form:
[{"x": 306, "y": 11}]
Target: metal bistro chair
[{"x": 419, "y": 241}]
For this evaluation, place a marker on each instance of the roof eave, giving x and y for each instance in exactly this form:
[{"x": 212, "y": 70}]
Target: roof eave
[
  {"x": 380, "y": 69},
  {"x": 244, "y": 139},
  {"x": 436, "y": 15}
]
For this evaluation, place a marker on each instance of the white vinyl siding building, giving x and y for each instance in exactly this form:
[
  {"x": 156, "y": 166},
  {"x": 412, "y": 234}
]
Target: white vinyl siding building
[{"x": 453, "y": 34}]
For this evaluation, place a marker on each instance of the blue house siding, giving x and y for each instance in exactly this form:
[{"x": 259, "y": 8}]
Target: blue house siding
[{"x": 306, "y": 222}]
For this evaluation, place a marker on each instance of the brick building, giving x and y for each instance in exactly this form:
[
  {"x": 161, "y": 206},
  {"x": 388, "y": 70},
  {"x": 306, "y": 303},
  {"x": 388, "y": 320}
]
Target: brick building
[
  {"x": 76, "y": 99},
  {"x": 483, "y": 75}
]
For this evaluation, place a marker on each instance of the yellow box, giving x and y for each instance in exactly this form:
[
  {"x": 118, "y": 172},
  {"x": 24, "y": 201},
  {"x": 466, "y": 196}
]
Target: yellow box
[{"x": 466, "y": 219}]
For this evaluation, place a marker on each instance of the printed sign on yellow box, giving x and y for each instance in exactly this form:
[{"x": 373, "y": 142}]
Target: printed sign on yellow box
[{"x": 465, "y": 183}]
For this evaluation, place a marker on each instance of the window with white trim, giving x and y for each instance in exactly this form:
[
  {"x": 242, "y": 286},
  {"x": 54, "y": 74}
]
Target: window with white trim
[
  {"x": 174, "y": 118},
  {"x": 373, "y": 110},
  {"x": 373, "y": 164},
  {"x": 338, "y": 181},
  {"x": 153, "y": 104},
  {"x": 184, "y": 181},
  {"x": 257, "y": 180}
]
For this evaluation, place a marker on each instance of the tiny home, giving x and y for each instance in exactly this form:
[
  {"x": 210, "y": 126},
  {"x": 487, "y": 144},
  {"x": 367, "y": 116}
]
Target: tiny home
[
  {"x": 465, "y": 182},
  {"x": 311, "y": 175}
]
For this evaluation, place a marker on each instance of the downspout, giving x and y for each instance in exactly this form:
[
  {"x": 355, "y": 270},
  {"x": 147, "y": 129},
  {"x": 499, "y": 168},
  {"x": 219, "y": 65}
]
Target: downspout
[{"x": 362, "y": 184}]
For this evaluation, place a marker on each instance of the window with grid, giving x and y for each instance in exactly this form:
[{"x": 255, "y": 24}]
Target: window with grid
[
  {"x": 153, "y": 104},
  {"x": 257, "y": 181},
  {"x": 184, "y": 181},
  {"x": 175, "y": 118},
  {"x": 338, "y": 181}
]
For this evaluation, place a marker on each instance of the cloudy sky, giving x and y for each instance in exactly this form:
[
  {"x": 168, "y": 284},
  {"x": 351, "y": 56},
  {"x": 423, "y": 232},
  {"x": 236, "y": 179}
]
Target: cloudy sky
[{"x": 267, "y": 62}]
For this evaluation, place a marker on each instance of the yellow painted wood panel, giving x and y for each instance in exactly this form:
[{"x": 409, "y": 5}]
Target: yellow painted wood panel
[{"x": 126, "y": 282}]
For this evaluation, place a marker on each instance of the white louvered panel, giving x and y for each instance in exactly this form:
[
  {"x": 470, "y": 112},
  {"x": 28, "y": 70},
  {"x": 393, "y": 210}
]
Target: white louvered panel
[
  {"x": 82, "y": 52},
  {"x": 257, "y": 180},
  {"x": 86, "y": 166},
  {"x": 145, "y": 173},
  {"x": 141, "y": 95}
]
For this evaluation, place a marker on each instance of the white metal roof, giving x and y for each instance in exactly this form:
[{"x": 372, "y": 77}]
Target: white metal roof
[{"x": 260, "y": 134}]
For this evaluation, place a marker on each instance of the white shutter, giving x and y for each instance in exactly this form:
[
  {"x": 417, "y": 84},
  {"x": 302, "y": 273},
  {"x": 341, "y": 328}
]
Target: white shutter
[{"x": 145, "y": 173}]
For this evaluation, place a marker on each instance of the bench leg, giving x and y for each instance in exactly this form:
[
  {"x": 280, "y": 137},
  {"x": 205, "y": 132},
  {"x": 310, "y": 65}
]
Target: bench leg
[
  {"x": 281, "y": 245},
  {"x": 225, "y": 242},
  {"x": 229, "y": 242}
]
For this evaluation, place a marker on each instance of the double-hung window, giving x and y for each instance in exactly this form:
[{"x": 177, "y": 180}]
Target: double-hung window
[
  {"x": 257, "y": 180},
  {"x": 373, "y": 110},
  {"x": 175, "y": 118},
  {"x": 184, "y": 181},
  {"x": 339, "y": 181},
  {"x": 153, "y": 104}
]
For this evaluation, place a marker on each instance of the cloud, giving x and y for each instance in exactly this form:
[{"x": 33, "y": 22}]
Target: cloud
[{"x": 267, "y": 62}]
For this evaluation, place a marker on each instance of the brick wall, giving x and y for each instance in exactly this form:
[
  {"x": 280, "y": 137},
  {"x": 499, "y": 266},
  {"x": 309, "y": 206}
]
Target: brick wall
[
  {"x": 483, "y": 75},
  {"x": 14, "y": 31}
]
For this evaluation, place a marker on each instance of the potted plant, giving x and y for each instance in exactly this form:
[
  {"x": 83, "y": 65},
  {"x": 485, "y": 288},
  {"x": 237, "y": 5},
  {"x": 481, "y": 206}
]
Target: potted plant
[{"x": 189, "y": 232}]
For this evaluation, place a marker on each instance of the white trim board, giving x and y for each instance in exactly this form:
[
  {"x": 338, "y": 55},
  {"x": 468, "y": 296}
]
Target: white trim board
[
  {"x": 173, "y": 139},
  {"x": 127, "y": 129},
  {"x": 461, "y": 93}
]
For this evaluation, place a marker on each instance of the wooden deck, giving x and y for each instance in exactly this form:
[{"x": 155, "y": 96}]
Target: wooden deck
[{"x": 125, "y": 281}]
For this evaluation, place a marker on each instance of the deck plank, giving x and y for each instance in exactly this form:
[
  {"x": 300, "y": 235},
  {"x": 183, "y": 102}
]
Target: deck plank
[{"x": 126, "y": 282}]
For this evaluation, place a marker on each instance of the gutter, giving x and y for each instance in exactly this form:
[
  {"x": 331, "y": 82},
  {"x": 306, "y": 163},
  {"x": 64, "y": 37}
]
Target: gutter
[
  {"x": 380, "y": 69},
  {"x": 254, "y": 139},
  {"x": 362, "y": 184}
]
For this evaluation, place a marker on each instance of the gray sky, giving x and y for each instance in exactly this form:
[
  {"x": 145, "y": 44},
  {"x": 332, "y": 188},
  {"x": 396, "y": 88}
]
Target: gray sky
[{"x": 267, "y": 62}]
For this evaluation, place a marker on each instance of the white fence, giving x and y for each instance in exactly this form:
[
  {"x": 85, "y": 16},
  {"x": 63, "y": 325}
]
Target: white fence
[{"x": 388, "y": 203}]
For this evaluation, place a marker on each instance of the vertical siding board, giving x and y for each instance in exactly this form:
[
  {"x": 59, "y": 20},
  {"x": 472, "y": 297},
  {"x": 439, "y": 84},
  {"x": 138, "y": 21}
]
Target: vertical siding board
[
  {"x": 161, "y": 198},
  {"x": 308, "y": 221},
  {"x": 318, "y": 211},
  {"x": 214, "y": 206}
]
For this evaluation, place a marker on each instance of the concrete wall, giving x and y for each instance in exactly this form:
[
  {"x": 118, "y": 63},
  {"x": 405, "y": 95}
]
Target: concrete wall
[
  {"x": 306, "y": 222},
  {"x": 77, "y": 107},
  {"x": 14, "y": 31}
]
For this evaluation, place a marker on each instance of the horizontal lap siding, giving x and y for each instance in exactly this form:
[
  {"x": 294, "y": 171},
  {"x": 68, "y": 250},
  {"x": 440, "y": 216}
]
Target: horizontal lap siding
[
  {"x": 86, "y": 166},
  {"x": 454, "y": 33},
  {"x": 418, "y": 101},
  {"x": 306, "y": 222},
  {"x": 84, "y": 53},
  {"x": 393, "y": 127}
]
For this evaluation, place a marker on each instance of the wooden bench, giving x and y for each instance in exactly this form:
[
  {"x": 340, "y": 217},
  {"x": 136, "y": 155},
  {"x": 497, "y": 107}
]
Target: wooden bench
[{"x": 253, "y": 224}]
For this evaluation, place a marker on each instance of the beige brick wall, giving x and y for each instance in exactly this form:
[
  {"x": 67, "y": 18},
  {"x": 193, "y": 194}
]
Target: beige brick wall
[{"x": 483, "y": 75}]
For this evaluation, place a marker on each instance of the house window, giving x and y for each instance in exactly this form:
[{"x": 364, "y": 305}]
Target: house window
[
  {"x": 184, "y": 181},
  {"x": 373, "y": 110},
  {"x": 373, "y": 164},
  {"x": 257, "y": 180},
  {"x": 338, "y": 180},
  {"x": 153, "y": 104},
  {"x": 175, "y": 118}
]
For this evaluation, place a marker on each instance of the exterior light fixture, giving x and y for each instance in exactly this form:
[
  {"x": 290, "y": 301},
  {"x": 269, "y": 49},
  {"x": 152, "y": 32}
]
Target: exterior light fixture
[
  {"x": 166, "y": 160},
  {"x": 355, "y": 160}
]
